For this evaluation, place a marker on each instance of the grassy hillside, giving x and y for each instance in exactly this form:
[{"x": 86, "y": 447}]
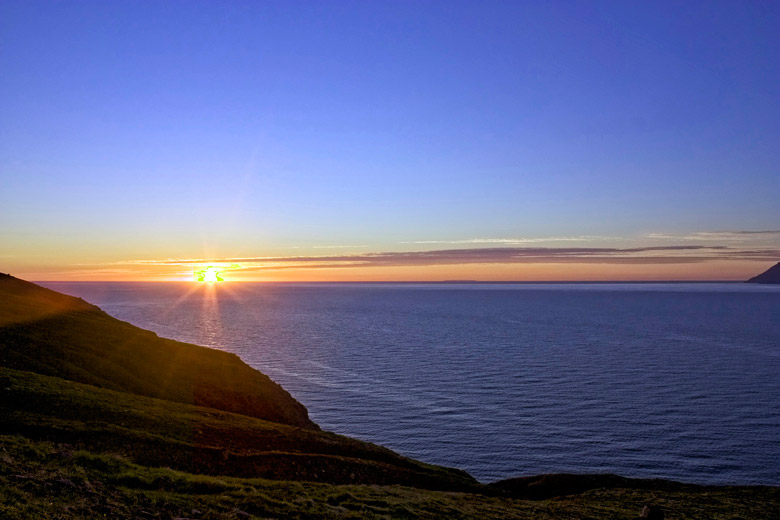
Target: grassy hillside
[
  {"x": 155, "y": 432},
  {"x": 50, "y": 333},
  {"x": 100, "y": 419},
  {"x": 55, "y": 481}
]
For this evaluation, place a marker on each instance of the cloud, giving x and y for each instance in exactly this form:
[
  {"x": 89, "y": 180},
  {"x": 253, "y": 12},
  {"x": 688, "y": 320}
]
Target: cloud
[
  {"x": 677, "y": 254},
  {"x": 739, "y": 236},
  {"x": 514, "y": 241},
  {"x": 338, "y": 247}
]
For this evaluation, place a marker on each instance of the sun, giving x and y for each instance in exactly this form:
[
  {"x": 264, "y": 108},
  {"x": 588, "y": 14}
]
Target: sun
[{"x": 209, "y": 274}]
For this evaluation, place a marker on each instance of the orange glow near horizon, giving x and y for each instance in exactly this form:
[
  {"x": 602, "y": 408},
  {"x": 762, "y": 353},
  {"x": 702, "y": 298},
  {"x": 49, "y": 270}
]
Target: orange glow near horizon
[{"x": 714, "y": 270}]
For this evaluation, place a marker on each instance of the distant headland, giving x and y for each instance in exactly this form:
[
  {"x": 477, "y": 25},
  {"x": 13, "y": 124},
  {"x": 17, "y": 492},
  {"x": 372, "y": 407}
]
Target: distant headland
[{"x": 771, "y": 275}]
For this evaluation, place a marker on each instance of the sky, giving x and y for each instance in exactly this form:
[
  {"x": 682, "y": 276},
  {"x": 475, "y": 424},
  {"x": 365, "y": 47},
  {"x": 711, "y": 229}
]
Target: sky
[{"x": 389, "y": 140}]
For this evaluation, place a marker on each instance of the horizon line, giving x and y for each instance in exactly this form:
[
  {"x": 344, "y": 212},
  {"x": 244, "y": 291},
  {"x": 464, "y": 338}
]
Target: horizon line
[{"x": 463, "y": 282}]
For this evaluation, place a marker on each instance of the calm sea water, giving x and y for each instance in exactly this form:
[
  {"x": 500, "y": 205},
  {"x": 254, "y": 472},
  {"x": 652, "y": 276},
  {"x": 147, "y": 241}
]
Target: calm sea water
[{"x": 676, "y": 381}]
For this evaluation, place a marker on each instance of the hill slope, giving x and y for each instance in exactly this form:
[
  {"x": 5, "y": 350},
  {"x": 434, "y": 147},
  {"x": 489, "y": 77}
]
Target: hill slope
[
  {"x": 71, "y": 373},
  {"x": 771, "y": 275},
  {"x": 159, "y": 433},
  {"x": 53, "y": 334}
]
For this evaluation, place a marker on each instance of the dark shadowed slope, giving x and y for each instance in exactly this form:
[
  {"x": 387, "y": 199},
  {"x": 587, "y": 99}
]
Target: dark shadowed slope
[
  {"x": 50, "y": 333},
  {"x": 771, "y": 275}
]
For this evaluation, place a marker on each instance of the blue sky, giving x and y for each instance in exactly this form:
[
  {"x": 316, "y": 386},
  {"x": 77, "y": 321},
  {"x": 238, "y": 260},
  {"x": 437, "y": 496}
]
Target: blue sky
[{"x": 144, "y": 130}]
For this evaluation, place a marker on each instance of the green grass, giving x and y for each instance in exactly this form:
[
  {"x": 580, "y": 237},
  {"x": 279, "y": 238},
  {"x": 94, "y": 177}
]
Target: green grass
[
  {"x": 49, "y": 333},
  {"x": 40, "y": 480},
  {"x": 156, "y": 432}
]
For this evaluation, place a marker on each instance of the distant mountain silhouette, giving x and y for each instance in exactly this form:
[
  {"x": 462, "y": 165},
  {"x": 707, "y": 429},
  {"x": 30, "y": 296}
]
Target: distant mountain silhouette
[{"x": 771, "y": 275}]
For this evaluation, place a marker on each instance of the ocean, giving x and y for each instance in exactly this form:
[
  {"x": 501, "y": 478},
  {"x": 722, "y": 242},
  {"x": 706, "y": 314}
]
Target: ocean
[{"x": 677, "y": 381}]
